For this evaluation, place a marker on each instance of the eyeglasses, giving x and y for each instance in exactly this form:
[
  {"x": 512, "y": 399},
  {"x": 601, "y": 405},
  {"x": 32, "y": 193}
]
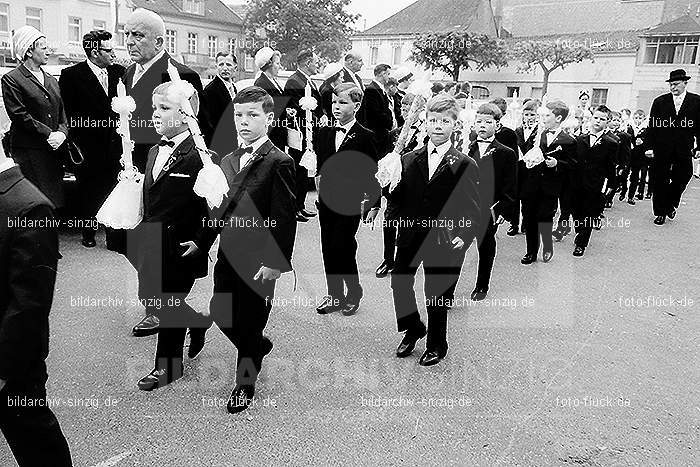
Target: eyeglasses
[{"x": 109, "y": 51}]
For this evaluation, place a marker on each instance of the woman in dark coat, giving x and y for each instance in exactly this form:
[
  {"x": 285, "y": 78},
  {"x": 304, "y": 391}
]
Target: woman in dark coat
[{"x": 39, "y": 127}]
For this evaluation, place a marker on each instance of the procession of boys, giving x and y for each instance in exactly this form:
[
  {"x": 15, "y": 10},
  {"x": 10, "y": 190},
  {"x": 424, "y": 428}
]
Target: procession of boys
[{"x": 186, "y": 167}]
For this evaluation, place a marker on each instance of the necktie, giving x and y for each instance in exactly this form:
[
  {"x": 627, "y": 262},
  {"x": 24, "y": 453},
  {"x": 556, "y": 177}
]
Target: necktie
[
  {"x": 138, "y": 73},
  {"x": 166, "y": 142},
  {"x": 103, "y": 80}
]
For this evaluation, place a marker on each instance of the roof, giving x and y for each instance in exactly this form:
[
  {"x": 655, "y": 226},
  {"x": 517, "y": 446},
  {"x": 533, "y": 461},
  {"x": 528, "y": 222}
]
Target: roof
[
  {"x": 547, "y": 17},
  {"x": 426, "y": 16},
  {"x": 674, "y": 9},
  {"x": 240, "y": 10},
  {"x": 214, "y": 10},
  {"x": 686, "y": 24}
]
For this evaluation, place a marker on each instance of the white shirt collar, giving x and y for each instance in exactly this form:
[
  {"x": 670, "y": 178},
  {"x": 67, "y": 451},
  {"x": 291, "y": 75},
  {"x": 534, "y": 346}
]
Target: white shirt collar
[
  {"x": 257, "y": 143},
  {"x": 95, "y": 69},
  {"x": 599, "y": 134},
  {"x": 177, "y": 139},
  {"x": 150, "y": 63},
  {"x": 680, "y": 97},
  {"x": 6, "y": 164},
  {"x": 348, "y": 125},
  {"x": 556, "y": 132},
  {"x": 227, "y": 83},
  {"x": 442, "y": 149}
]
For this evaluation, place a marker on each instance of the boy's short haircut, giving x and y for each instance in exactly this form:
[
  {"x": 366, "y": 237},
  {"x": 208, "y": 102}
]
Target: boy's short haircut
[
  {"x": 558, "y": 108},
  {"x": 490, "y": 109},
  {"x": 615, "y": 113},
  {"x": 461, "y": 95},
  {"x": 304, "y": 56},
  {"x": 162, "y": 90},
  {"x": 443, "y": 103},
  {"x": 531, "y": 105},
  {"x": 351, "y": 89},
  {"x": 500, "y": 103},
  {"x": 640, "y": 112},
  {"x": 602, "y": 108},
  {"x": 254, "y": 94}
]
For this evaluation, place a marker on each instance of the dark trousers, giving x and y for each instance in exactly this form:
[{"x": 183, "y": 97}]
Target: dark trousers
[
  {"x": 587, "y": 208},
  {"x": 441, "y": 266},
  {"x": 565, "y": 204},
  {"x": 522, "y": 173},
  {"x": 339, "y": 251},
  {"x": 302, "y": 178},
  {"x": 670, "y": 178},
  {"x": 623, "y": 175},
  {"x": 638, "y": 175},
  {"x": 389, "y": 237},
  {"x": 33, "y": 433},
  {"x": 241, "y": 307},
  {"x": 487, "y": 253},
  {"x": 538, "y": 216}
]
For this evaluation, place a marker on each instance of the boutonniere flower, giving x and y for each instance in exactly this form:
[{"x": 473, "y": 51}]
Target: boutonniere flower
[
  {"x": 451, "y": 159},
  {"x": 489, "y": 152},
  {"x": 169, "y": 162}
]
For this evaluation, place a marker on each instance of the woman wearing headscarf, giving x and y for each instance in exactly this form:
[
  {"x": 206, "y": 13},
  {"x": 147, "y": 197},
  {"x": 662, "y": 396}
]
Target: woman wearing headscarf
[{"x": 38, "y": 121}]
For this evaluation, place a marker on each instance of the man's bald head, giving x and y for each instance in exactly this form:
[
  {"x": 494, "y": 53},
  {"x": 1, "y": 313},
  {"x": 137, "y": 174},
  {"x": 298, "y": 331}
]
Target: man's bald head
[
  {"x": 353, "y": 61},
  {"x": 144, "y": 31}
]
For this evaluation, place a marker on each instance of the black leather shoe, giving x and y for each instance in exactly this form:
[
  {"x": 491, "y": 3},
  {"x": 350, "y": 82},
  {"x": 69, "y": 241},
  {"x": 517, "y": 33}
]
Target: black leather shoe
[
  {"x": 408, "y": 343},
  {"x": 349, "y": 308},
  {"x": 197, "y": 339},
  {"x": 306, "y": 213},
  {"x": 640, "y": 196},
  {"x": 329, "y": 305},
  {"x": 648, "y": 196},
  {"x": 608, "y": 205},
  {"x": 431, "y": 357},
  {"x": 660, "y": 220},
  {"x": 557, "y": 235},
  {"x": 672, "y": 213},
  {"x": 384, "y": 269},
  {"x": 547, "y": 256},
  {"x": 302, "y": 218},
  {"x": 529, "y": 259},
  {"x": 631, "y": 201},
  {"x": 513, "y": 231},
  {"x": 578, "y": 251},
  {"x": 88, "y": 242},
  {"x": 241, "y": 398},
  {"x": 621, "y": 197},
  {"x": 157, "y": 379},
  {"x": 146, "y": 327},
  {"x": 479, "y": 293}
]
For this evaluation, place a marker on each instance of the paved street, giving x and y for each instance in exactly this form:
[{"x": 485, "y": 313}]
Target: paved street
[{"x": 584, "y": 361}]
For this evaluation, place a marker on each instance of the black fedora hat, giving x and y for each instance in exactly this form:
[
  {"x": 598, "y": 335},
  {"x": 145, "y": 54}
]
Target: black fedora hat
[{"x": 677, "y": 75}]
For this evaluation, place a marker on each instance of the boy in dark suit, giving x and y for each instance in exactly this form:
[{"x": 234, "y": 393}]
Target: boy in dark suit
[
  {"x": 543, "y": 182},
  {"x": 497, "y": 180},
  {"x": 639, "y": 161},
  {"x": 527, "y": 138},
  {"x": 257, "y": 226},
  {"x": 347, "y": 161},
  {"x": 622, "y": 169},
  {"x": 596, "y": 156},
  {"x": 438, "y": 198},
  {"x": 168, "y": 255}
]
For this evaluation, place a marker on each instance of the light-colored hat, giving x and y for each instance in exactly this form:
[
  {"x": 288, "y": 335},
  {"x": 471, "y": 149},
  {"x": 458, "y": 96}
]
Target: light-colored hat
[
  {"x": 263, "y": 56},
  {"x": 23, "y": 39},
  {"x": 402, "y": 73},
  {"x": 331, "y": 69}
]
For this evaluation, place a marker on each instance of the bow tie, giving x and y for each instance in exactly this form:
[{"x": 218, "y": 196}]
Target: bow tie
[
  {"x": 246, "y": 150},
  {"x": 166, "y": 142},
  {"x": 340, "y": 128}
]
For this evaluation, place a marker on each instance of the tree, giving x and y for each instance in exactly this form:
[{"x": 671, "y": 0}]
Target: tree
[
  {"x": 293, "y": 25},
  {"x": 451, "y": 52},
  {"x": 549, "y": 55}
]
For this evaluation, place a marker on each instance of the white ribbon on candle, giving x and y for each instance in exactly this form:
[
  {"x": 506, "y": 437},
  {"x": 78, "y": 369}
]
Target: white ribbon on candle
[{"x": 308, "y": 159}]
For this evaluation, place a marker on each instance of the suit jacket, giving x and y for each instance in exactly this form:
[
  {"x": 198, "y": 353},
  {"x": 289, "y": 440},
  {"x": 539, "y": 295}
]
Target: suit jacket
[
  {"x": 348, "y": 173},
  {"x": 525, "y": 145},
  {"x": 670, "y": 134},
  {"x": 142, "y": 132},
  {"x": 35, "y": 110},
  {"x": 375, "y": 114},
  {"x": 508, "y": 138},
  {"x": 28, "y": 260},
  {"x": 624, "y": 148},
  {"x": 294, "y": 90},
  {"x": 257, "y": 221},
  {"x": 497, "y": 178},
  {"x": 223, "y": 138},
  {"x": 172, "y": 214},
  {"x": 595, "y": 163},
  {"x": 92, "y": 123},
  {"x": 347, "y": 78},
  {"x": 547, "y": 181},
  {"x": 638, "y": 150},
  {"x": 278, "y": 130},
  {"x": 326, "y": 91},
  {"x": 450, "y": 196}
]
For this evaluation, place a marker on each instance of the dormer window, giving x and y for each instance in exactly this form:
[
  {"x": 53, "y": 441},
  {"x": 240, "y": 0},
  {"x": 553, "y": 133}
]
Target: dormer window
[{"x": 195, "y": 7}]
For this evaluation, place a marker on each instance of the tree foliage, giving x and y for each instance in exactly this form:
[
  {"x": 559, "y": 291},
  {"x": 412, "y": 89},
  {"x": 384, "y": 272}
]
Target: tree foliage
[{"x": 548, "y": 55}]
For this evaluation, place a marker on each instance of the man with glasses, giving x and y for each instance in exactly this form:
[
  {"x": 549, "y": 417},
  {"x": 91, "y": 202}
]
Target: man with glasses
[{"x": 87, "y": 89}]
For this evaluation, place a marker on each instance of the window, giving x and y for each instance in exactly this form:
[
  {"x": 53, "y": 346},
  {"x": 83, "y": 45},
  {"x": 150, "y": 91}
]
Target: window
[
  {"x": 396, "y": 55},
  {"x": 120, "y": 36},
  {"x": 171, "y": 41},
  {"x": 99, "y": 25},
  {"x": 191, "y": 42},
  {"x": 599, "y": 97},
  {"x": 480, "y": 92},
  {"x": 193, "y": 6},
  {"x": 511, "y": 91},
  {"x": 232, "y": 46},
  {"x": 249, "y": 62},
  {"x": 671, "y": 50},
  {"x": 373, "y": 55},
  {"x": 536, "y": 93},
  {"x": 74, "y": 30},
  {"x": 4, "y": 17},
  {"x": 211, "y": 42},
  {"x": 34, "y": 17}
]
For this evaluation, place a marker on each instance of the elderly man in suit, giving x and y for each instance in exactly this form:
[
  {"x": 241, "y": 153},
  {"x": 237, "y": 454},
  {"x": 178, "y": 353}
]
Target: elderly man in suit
[
  {"x": 376, "y": 110},
  {"x": 674, "y": 136},
  {"x": 28, "y": 260},
  {"x": 352, "y": 65},
  {"x": 294, "y": 89},
  {"x": 87, "y": 89},
  {"x": 33, "y": 103},
  {"x": 219, "y": 96},
  {"x": 268, "y": 61},
  {"x": 145, "y": 32}
]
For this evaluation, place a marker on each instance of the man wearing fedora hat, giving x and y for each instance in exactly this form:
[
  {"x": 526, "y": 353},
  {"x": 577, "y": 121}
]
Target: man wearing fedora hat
[{"x": 674, "y": 134}]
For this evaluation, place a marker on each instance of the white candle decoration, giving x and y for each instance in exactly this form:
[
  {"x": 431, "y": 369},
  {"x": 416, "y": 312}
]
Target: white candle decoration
[{"x": 309, "y": 104}]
